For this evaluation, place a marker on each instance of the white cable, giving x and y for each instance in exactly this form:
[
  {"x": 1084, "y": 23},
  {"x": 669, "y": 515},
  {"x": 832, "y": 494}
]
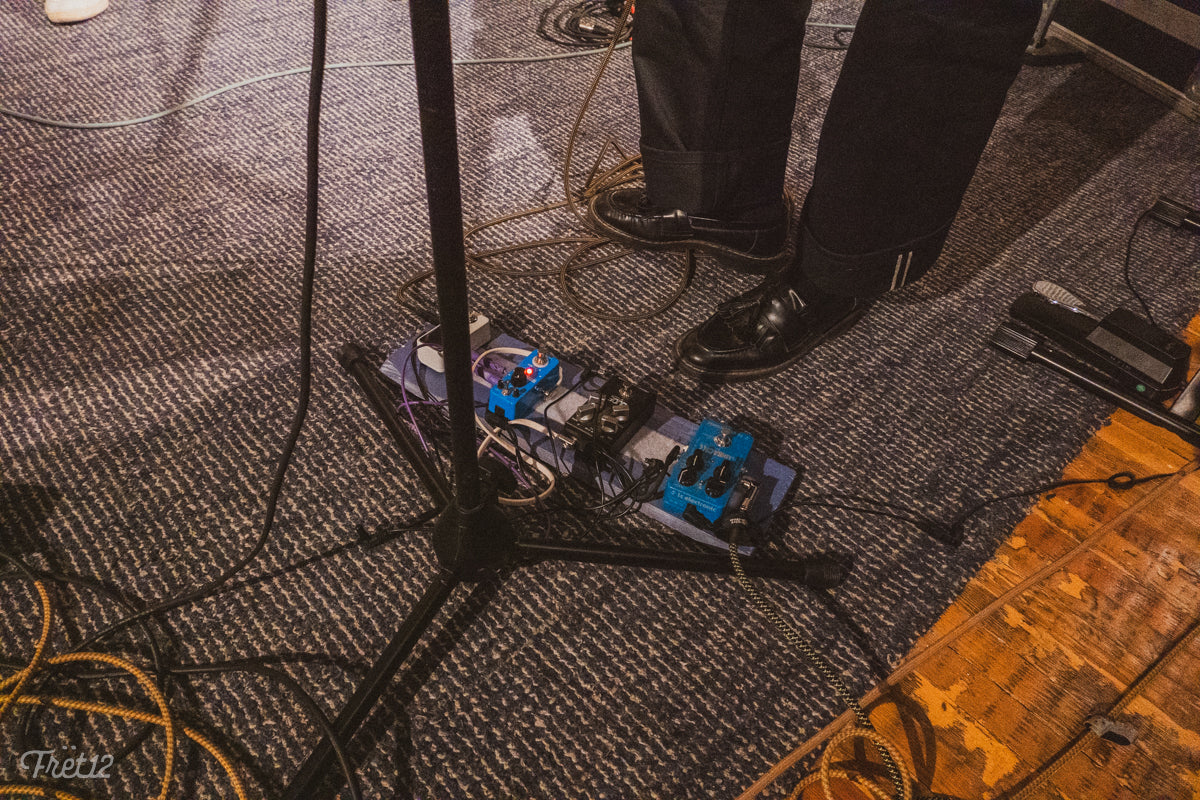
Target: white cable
[
  {"x": 535, "y": 426},
  {"x": 493, "y": 435},
  {"x": 545, "y": 431},
  {"x": 297, "y": 71}
]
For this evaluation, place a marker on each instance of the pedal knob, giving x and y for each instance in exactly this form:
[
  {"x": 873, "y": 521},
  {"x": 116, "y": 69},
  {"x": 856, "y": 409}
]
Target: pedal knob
[
  {"x": 518, "y": 378},
  {"x": 587, "y": 412},
  {"x": 616, "y": 415},
  {"x": 692, "y": 469},
  {"x": 718, "y": 483}
]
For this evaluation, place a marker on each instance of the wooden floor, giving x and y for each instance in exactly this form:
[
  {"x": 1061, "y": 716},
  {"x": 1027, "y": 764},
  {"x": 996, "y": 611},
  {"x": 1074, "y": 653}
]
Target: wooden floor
[{"x": 1085, "y": 597}]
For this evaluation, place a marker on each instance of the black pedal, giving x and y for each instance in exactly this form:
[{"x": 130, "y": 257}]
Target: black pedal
[
  {"x": 1135, "y": 355},
  {"x": 608, "y": 418}
]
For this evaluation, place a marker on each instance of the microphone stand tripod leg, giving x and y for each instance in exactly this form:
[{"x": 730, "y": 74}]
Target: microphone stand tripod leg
[
  {"x": 817, "y": 573},
  {"x": 319, "y": 764}
]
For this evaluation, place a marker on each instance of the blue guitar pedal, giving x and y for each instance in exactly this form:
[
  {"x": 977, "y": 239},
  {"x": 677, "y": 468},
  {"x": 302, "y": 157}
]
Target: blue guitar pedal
[
  {"x": 705, "y": 477},
  {"x": 515, "y": 395}
]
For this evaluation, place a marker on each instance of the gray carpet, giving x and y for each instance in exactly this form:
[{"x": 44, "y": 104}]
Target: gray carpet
[{"x": 150, "y": 294}]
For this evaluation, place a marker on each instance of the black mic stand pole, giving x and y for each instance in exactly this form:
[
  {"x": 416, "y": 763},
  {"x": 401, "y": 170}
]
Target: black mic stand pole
[
  {"x": 471, "y": 535},
  {"x": 466, "y": 517}
]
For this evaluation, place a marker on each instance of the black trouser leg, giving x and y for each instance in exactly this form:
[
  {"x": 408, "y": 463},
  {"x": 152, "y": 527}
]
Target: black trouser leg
[
  {"x": 921, "y": 88},
  {"x": 717, "y": 86}
]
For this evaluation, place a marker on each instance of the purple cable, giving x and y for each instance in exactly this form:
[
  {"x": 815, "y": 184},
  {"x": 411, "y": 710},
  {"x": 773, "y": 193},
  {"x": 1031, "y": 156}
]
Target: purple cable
[{"x": 407, "y": 405}]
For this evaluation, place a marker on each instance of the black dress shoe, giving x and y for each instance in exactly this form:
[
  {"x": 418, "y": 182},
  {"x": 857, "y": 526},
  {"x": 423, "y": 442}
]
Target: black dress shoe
[
  {"x": 626, "y": 216},
  {"x": 763, "y": 332}
]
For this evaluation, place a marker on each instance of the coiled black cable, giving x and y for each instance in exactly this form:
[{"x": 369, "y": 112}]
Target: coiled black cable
[{"x": 590, "y": 23}]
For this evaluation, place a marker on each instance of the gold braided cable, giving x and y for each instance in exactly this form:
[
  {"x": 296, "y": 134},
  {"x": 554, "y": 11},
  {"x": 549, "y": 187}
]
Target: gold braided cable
[
  {"x": 37, "y": 791},
  {"x": 1163, "y": 661},
  {"x": 479, "y": 259},
  {"x": 21, "y": 677},
  {"x": 408, "y": 285},
  {"x": 579, "y": 304},
  {"x": 112, "y": 710},
  {"x": 221, "y": 758},
  {"x": 626, "y": 170},
  {"x": 825, "y": 772},
  {"x": 919, "y": 657},
  {"x": 168, "y": 724},
  {"x": 817, "y": 662},
  {"x": 884, "y": 746},
  {"x": 869, "y": 789},
  {"x": 583, "y": 107}
]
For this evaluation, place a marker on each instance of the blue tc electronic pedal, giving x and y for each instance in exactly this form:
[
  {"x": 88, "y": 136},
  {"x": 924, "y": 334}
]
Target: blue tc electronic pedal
[
  {"x": 515, "y": 395},
  {"x": 705, "y": 476}
]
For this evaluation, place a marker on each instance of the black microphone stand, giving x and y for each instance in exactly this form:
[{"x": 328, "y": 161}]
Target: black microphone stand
[{"x": 471, "y": 536}]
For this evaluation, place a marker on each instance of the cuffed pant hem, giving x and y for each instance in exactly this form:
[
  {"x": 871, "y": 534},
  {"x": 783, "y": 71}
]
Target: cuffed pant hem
[
  {"x": 868, "y": 274},
  {"x": 715, "y": 184}
]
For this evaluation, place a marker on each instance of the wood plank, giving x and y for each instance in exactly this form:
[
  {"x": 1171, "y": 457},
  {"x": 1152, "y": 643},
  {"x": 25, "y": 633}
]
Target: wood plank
[{"x": 993, "y": 704}]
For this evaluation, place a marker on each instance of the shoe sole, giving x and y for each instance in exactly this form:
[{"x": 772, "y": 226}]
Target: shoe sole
[
  {"x": 78, "y": 14},
  {"x": 765, "y": 372},
  {"x": 737, "y": 259}
]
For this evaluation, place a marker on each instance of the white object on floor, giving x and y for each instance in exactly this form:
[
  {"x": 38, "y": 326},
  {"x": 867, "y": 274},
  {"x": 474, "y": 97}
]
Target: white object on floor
[{"x": 74, "y": 10}]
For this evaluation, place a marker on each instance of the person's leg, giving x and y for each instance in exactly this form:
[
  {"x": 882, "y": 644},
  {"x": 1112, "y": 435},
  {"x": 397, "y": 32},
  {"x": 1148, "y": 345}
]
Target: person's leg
[
  {"x": 921, "y": 88},
  {"x": 716, "y": 84},
  {"x": 717, "y": 87}
]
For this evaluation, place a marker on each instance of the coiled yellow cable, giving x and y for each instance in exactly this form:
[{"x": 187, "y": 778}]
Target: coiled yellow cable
[
  {"x": 825, "y": 772},
  {"x": 18, "y": 680},
  {"x": 142, "y": 716},
  {"x": 37, "y": 791},
  {"x": 22, "y": 677}
]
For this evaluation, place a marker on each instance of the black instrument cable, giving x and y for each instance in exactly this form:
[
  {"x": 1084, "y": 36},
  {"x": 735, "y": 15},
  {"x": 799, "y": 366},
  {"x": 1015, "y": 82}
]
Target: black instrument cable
[
  {"x": 590, "y": 23},
  {"x": 162, "y": 672},
  {"x": 316, "y": 82},
  {"x": 254, "y": 666},
  {"x": 27, "y": 717},
  {"x": 1125, "y": 273},
  {"x": 1118, "y": 481},
  {"x": 317, "y": 75}
]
